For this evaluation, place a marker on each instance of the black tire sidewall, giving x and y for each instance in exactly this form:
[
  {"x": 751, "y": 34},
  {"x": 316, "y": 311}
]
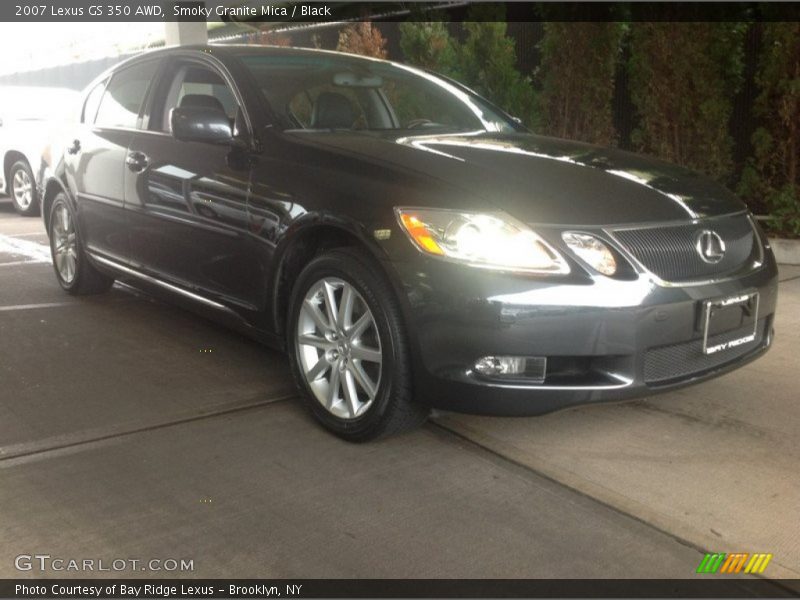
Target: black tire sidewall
[
  {"x": 22, "y": 165},
  {"x": 354, "y": 271}
]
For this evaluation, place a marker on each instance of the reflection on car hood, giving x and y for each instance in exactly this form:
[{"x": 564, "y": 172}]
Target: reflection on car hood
[{"x": 543, "y": 180}]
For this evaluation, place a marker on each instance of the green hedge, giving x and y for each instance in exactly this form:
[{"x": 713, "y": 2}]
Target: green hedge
[
  {"x": 683, "y": 77},
  {"x": 772, "y": 174},
  {"x": 576, "y": 77}
]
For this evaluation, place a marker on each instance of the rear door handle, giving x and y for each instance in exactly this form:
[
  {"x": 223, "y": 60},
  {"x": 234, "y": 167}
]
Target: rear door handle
[
  {"x": 137, "y": 161},
  {"x": 75, "y": 147}
]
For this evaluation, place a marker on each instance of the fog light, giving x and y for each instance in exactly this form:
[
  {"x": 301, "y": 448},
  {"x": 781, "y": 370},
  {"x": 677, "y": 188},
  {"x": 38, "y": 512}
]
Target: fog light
[{"x": 515, "y": 367}]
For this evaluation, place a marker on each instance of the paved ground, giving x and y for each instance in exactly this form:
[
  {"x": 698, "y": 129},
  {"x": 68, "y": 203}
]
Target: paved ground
[{"x": 121, "y": 436}]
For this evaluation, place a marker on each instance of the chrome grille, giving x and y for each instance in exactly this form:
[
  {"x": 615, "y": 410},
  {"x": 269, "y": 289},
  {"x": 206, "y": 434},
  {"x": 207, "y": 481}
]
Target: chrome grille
[{"x": 670, "y": 252}]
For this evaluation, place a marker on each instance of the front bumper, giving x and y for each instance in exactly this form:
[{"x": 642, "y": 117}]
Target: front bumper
[{"x": 604, "y": 339}]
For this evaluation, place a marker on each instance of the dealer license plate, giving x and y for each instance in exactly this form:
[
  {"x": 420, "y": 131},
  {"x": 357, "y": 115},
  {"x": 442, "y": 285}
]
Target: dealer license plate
[{"x": 725, "y": 315}]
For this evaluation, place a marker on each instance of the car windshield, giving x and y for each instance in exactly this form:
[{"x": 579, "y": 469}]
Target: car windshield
[{"x": 334, "y": 92}]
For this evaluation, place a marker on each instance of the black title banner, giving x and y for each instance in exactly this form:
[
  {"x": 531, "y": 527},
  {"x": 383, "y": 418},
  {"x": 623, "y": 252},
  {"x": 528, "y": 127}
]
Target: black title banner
[
  {"x": 273, "y": 11},
  {"x": 400, "y": 588}
]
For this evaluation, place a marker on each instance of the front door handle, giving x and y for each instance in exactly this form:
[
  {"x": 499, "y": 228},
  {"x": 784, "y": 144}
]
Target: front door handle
[
  {"x": 137, "y": 161},
  {"x": 75, "y": 147}
]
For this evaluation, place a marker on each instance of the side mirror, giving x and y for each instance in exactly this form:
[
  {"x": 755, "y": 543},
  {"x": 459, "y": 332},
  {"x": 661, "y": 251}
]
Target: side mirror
[{"x": 200, "y": 124}]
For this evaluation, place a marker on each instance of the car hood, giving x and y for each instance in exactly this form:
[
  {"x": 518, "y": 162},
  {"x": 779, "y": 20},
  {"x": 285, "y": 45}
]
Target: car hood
[{"x": 539, "y": 179}]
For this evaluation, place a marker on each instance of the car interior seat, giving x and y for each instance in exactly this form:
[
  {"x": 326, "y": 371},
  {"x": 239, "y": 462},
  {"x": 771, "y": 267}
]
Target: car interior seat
[{"x": 333, "y": 111}]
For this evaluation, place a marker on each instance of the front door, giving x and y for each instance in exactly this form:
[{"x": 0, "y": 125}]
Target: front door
[{"x": 187, "y": 202}]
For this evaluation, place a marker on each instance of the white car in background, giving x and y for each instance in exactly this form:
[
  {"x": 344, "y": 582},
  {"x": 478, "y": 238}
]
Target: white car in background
[{"x": 30, "y": 117}]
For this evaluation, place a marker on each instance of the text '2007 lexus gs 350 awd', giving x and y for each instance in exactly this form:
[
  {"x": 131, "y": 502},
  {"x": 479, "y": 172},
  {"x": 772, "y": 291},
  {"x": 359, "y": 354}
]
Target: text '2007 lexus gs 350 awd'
[{"x": 408, "y": 243}]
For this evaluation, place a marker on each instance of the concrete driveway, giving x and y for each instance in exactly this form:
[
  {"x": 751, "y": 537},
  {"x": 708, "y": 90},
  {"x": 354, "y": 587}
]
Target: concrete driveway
[{"x": 131, "y": 428}]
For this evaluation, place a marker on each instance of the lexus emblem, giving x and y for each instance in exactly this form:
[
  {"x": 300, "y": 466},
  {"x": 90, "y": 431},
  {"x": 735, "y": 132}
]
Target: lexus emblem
[{"x": 710, "y": 246}]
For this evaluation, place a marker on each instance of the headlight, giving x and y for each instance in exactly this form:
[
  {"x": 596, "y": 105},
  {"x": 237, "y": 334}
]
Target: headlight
[
  {"x": 488, "y": 240},
  {"x": 593, "y": 252}
]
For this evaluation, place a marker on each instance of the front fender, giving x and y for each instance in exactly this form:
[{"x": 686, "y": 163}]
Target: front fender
[
  {"x": 49, "y": 190},
  {"x": 300, "y": 242}
]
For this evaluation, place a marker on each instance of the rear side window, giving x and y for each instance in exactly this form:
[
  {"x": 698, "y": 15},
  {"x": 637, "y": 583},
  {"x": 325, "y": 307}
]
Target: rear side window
[
  {"x": 92, "y": 102},
  {"x": 123, "y": 98}
]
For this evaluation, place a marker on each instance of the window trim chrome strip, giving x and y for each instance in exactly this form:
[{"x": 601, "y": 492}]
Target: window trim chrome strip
[{"x": 168, "y": 286}]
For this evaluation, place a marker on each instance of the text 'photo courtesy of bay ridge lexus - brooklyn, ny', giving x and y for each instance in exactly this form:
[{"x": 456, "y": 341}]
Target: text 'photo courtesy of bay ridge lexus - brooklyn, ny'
[{"x": 408, "y": 243}]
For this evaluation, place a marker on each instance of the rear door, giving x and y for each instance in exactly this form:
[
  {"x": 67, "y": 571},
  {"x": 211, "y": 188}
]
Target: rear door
[
  {"x": 187, "y": 201},
  {"x": 96, "y": 154}
]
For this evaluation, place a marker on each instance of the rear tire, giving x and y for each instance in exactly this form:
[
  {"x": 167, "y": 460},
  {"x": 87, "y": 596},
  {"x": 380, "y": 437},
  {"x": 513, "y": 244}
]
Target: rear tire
[
  {"x": 348, "y": 348},
  {"x": 22, "y": 189},
  {"x": 73, "y": 270}
]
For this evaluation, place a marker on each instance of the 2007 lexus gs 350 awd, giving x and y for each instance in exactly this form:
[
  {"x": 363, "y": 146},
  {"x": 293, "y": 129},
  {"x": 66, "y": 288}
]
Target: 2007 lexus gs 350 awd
[{"x": 406, "y": 242}]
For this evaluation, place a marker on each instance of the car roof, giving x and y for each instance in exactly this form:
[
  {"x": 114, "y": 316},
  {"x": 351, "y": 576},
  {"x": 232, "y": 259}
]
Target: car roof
[
  {"x": 237, "y": 50},
  {"x": 245, "y": 50}
]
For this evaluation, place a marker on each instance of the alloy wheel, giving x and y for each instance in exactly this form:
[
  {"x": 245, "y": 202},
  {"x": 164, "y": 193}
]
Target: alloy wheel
[
  {"x": 22, "y": 188},
  {"x": 64, "y": 241},
  {"x": 339, "y": 348}
]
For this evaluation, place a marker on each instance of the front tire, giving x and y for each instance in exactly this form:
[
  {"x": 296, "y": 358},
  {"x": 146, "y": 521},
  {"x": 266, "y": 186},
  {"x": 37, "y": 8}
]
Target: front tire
[
  {"x": 73, "y": 270},
  {"x": 348, "y": 348},
  {"x": 22, "y": 189}
]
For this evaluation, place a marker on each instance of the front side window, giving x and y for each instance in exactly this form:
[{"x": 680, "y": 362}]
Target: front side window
[
  {"x": 124, "y": 96},
  {"x": 330, "y": 92},
  {"x": 199, "y": 86}
]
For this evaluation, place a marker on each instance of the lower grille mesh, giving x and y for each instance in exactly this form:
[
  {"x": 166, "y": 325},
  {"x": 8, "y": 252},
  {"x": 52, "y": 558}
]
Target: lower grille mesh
[{"x": 678, "y": 361}]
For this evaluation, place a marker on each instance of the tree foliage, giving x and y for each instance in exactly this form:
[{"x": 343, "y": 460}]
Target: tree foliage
[
  {"x": 486, "y": 61},
  {"x": 430, "y": 46},
  {"x": 772, "y": 175},
  {"x": 683, "y": 77},
  {"x": 576, "y": 78},
  {"x": 488, "y": 64},
  {"x": 362, "y": 38}
]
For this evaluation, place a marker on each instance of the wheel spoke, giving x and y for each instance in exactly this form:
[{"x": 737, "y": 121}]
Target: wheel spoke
[
  {"x": 318, "y": 370},
  {"x": 312, "y": 340},
  {"x": 330, "y": 303},
  {"x": 64, "y": 218},
  {"x": 367, "y": 354},
  {"x": 362, "y": 379},
  {"x": 333, "y": 388},
  {"x": 71, "y": 263},
  {"x": 345, "y": 314},
  {"x": 357, "y": 330},
  {"x": 350, "y": 393},
  {"x": 316, "y": 315}
]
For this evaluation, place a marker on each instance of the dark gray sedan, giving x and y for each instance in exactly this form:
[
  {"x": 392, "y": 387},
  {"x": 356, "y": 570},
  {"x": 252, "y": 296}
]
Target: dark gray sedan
[{"x": 404, "y": 240}]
